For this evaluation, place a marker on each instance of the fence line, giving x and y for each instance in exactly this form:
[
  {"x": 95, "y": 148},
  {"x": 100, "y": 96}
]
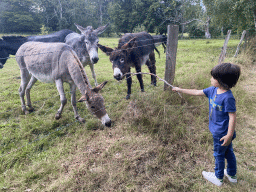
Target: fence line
[
  {"x": 67, "y": 125},
  {"x": 62, "y": 127},
  {"x": 60, "y": 51},
  {"x": 81, "y": 48}
]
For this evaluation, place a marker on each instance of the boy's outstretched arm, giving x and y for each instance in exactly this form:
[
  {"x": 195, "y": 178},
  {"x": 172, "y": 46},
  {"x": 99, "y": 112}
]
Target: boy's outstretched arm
[
  {"x": 189, "y": 91},
  {"x": 231, "y": 129}
]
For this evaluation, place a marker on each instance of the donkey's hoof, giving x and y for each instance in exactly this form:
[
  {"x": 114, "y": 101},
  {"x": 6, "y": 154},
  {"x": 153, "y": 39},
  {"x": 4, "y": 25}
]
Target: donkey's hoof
[
  {"x": 127, "y": 97},
  {"x": 80, "y": 119},
  {"x": 57, "y": 116},
  {"x": 26, "y": 112},
  {"x": 153, "y": 83},
  {"x": 31, "y": 109},
  {"x": 142, "y": 90}
]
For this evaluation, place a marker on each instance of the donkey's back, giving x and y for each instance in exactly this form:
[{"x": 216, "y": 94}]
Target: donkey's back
[{"x": 44, "y": 61}]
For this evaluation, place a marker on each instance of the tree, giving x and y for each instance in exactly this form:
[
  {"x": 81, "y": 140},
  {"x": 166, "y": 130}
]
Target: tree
[
  {"x": 237, "y": 15},
  {"x": 57, "y": 14},
  {"x": 161, "y": 14},
  {"x": 127, "y": 14},
  {"x": 20, "y": 16},
  {"x": 4, "y": 6}
]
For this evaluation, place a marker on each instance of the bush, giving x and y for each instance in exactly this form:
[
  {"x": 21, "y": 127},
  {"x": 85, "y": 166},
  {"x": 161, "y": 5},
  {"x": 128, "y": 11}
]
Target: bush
[{"x": 196, "y": 32}]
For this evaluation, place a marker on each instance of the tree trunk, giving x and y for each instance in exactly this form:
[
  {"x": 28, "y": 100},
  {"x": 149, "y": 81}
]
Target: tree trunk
[
  {"x": 207, "y": 31},
  {"x": 254, "y": 15},
  {"x": 60, "y": 20},
  {"x": 101, "y": 14}
]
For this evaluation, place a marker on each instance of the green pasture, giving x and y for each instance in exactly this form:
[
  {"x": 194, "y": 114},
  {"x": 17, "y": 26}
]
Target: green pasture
[{"x": 156, "y": 143}]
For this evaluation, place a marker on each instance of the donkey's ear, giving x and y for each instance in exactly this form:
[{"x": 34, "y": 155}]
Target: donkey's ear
[
  {"x": 80, "y": 28},
  {"x": 84, "y": 98},
  {"x": 99, "y": 87},
  {"x": 129, "y": 45},
  {"x": 101, "y": 29},
  {"x": 106, "y": 50}
]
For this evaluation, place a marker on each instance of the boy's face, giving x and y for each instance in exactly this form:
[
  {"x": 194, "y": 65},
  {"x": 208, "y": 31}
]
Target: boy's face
[{"x": 214, "y": 82}]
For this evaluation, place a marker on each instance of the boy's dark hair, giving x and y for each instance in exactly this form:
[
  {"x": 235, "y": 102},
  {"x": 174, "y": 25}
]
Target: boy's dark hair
[{"x": 226, "y": 74}]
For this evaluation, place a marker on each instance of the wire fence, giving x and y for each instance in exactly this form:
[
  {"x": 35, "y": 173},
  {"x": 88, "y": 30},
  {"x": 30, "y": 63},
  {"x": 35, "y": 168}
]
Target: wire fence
[{"x": 69, "y": 124}]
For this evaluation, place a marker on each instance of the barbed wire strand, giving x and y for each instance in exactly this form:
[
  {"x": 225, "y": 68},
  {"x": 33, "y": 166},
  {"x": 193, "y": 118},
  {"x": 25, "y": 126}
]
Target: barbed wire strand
[{"x": 93, "y": 113}]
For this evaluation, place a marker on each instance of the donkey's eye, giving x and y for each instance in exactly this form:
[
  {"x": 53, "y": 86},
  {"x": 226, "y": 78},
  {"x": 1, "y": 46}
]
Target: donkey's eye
[
  {"x": 92, "y": 107},
  {"x": 122, "y": 60}
]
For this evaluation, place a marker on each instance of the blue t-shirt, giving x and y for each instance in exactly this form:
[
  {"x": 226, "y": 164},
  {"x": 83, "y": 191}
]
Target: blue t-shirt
[{"x": 219, "y": 107}]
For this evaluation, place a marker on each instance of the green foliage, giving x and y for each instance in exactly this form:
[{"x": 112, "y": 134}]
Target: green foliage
[
  {"x": 232, "y": 14},
  {"x": 195, "y": 32},
  {"x": 20, "y": 18},
  {"x": 44, "y": 30},
  {"x": 128, "y": 16}
]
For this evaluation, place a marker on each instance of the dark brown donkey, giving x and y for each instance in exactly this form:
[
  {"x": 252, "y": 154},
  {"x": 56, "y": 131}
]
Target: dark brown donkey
[{"x": 134, "y": 50}]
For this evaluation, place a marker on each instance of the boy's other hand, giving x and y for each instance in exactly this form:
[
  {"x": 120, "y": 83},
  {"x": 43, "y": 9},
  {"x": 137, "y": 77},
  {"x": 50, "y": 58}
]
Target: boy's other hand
[{"x": 227, "y": 140}]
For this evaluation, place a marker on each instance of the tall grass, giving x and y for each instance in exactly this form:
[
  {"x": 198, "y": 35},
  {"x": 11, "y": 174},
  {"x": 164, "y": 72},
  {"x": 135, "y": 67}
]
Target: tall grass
[{"x": 156, "y": 143}]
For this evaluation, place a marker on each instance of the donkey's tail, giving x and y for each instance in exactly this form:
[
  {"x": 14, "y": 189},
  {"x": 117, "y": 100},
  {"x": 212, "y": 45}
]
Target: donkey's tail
[{"x": 157, "y": 50}]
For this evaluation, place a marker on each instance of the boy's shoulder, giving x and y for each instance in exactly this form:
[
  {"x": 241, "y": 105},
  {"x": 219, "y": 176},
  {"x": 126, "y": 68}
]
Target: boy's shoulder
[{"x": 209, "y": 90}]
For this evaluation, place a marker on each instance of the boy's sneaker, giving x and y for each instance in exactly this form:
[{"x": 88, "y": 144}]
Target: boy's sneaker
[
  {"x": 210, "y": 176},
  {"x": 232, "y": 179}
]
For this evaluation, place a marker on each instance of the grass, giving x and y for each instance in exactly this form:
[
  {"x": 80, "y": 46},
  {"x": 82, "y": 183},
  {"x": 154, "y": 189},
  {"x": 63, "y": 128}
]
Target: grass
[{"x": 155, "y": 143}]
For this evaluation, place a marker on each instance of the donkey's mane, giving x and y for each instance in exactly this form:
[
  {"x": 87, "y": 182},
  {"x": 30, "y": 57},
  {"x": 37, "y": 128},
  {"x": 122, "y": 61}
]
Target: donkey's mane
[
  {"x": 81, "y": 69},
  {"x": 13, "y": 38}
]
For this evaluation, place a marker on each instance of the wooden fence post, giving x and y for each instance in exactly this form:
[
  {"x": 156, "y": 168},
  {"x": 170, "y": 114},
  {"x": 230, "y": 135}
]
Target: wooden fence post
[
  {"x": 224, "y": 48},
  {"x": 171, "y": 51},
  {"x": 241, "y": 40}
]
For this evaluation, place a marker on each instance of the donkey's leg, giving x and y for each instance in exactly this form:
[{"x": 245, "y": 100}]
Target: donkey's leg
[
  {"x": 152, "y": 67},
  {"x": 63, "y": 100},
  {"x": 129, "y": 84},
  {"x": 23, "y": 84},
  {"x": 73, "y": 102},
  {"x": 93, "y": 74},
  {"x": 139, "y": 76},
  {"x": 29, "y": 86}
]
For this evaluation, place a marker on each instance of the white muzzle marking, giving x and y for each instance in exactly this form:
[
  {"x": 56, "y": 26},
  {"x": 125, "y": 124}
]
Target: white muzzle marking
[
  {"x": 105, "y": 119},
  {"x": 117, "y": 72},
  {"x": 93, "y": 54}
]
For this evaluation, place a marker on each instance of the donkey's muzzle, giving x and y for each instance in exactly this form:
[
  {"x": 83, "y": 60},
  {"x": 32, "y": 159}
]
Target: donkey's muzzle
[
  {"x": 108, "y": 124},
  {"x": 95, "y": 59},
  {"x": 118, "y": 77}
]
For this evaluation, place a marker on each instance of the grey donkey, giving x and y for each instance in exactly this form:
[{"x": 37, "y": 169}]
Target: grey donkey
[
  {"x": 86, "y": 45},
  {"x": 58, "y": 63}
]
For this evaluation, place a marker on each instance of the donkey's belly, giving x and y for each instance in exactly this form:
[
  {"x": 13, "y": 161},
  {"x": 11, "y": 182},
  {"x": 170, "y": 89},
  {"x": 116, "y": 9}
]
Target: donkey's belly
[
  {"x": 44, "y": 78},
  {"x": 41, "y": 68},
  {"x": 41, "y": 73},
  {"x": 144, "y": 59}
]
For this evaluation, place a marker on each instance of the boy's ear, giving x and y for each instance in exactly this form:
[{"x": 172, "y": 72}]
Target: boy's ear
[{"x": 105, "y": 49}]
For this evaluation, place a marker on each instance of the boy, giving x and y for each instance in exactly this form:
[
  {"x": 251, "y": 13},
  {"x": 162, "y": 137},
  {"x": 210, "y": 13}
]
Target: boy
[{"x": 222, "y": 119}]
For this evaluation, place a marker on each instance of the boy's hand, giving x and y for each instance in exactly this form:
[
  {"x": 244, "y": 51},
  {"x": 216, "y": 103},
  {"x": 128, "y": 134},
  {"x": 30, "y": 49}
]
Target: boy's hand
[
  {"x": 176, "y": 89},
  {"x": 227, "y": 140}
]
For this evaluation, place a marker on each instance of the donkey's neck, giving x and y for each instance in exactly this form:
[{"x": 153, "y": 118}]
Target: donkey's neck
[
  {"x": 12, "y": 43},
  {"x": 82, "y": 83}
]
